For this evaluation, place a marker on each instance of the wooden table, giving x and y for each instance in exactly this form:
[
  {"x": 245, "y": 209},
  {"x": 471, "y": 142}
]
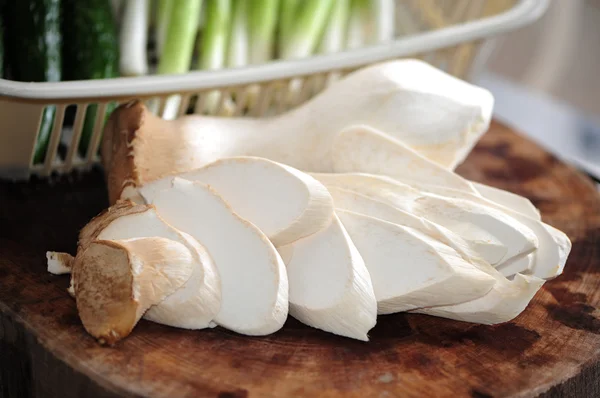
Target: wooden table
[{"x": 553, "y": 348}]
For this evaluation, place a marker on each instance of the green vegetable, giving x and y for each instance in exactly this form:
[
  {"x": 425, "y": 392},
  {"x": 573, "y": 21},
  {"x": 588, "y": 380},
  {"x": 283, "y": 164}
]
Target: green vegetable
[
  {"x": 213, "y": 43},
  {"x": 287, "y": 16},
  {"x": 371, "y": 22},
  {"x": 176, "y": 56},
  {"x": 34, "y": 52},
  {"x": 262, "y": 22},
  {"x": 90, "y": 50},
  {"x": 178, "y": 48},
  {"x": 310, "y": 18},
  {"x": 133, "y": 38},
  {"x": 237, "y": 54},
  {"x": 334, "y": 37},
  {"x": 163, "y": 16}
]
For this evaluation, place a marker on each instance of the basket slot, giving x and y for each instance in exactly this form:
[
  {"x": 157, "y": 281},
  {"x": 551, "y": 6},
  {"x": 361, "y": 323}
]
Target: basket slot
[
  {"x": 200, "y": 100},
  {"x": 170, "y": 106},
  {"x": 280, "y": 97},
  {"x": 305, "y": 91},
  {"x": 77, "y": 130},
  {"x": 263, "y": 101},
  {"x": 54, "y": 140},
  {"x": 183, "y": 106},
  {"x": 332, "y": 77},
  {"x": 241, "y": 98},
  {"x": 225, "y": 106},
  {"x": 97, "y": 134},
  {"x": 321, "y": 82},
  {"x": 161, "y": 104}
]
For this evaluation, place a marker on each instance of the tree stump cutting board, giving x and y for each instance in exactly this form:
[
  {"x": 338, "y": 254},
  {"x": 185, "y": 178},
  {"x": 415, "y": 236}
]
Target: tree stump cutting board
[{"x": 553, "y": 348}]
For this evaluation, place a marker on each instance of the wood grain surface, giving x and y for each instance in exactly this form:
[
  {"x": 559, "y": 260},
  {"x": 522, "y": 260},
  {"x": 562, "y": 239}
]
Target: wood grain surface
[{"x": 553, "y": 348}]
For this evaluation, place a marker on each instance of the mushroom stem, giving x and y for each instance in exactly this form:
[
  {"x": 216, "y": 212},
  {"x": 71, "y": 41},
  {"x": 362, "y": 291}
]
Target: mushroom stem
[{"x": 117, "y": 281}]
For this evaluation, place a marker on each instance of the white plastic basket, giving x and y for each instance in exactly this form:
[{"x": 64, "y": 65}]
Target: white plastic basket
[{"x": 445, "y": 33}]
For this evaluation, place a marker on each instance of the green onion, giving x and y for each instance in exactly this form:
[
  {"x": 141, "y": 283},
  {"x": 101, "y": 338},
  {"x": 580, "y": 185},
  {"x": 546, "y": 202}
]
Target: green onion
[
  {"x": 163, "y": 16},
  {"x": 287, "y": 17},
  {"x": 213, "y": 43},
  {"x": 311, "y": 16},
  {"x": 133, "y": 35},
  {"x": 334, "y": 37},
  {"x": 371, "y": 22},
  {"x": 262, "y": 23},
  {"x": 178, "y": 46},
  {"x": 237, "y": 54},
  {"x": 181, "y": 36}
]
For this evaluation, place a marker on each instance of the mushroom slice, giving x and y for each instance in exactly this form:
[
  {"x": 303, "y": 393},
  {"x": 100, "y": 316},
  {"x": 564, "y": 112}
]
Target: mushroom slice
[
  {"x": 509, "y": 200},
  {"x": 486, "y": 195},
  {"x": 432, "y": 112},
  {"x": 548, "y": 261},
  {"x": 281, "y": 201},
  {"x": 117, "y": 281},
  {"x": 346, "y": 199},
  {"x": 197, "y": 303},
  {"x": 365, "y": 150},
  {"x": 519, "y": 264},
  {"x": 330, "y": 287},
  {"x": 478, "y": 224},
  {"x": 411, "y": 270},
  {"x": 253, "y": 278},
  {"x": 59, "y": 263},
  {"x": 495, "y": 235},
  {"x": 506, "y": 300}
]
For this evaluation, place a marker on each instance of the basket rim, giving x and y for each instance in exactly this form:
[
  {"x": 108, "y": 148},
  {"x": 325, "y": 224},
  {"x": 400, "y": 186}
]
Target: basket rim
[{"x": 523, "y": 13}]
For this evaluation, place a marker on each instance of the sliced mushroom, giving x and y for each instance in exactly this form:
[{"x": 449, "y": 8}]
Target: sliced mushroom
[
  {"x": 509, "y": 200},
  {"x": 519, "y": 264},
  {"x": 362, "y": 149},
  {"x": 411, "y": 270},
  {"x": 548, "y": 261},
  {"x": 253, "y": 277},
  {"x": 346, "y": 199},
  {"x": 506, "y": 300},
  {"x": 330, "y": 287},
  {"x": 281, "y": 201},
  {"x": 495, "y": 235},
  {"x": 196, "y": 304},
  {"x": 117, "y": 281}
]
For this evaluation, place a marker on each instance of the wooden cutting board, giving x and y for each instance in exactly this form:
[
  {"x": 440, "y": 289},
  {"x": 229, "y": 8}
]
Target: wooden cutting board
[{"x": 552, "y": 348}]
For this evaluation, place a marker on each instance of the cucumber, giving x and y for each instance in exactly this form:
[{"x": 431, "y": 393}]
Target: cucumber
[
  {"x": 34, "y": 52},
  {"x": 90, "y": 50}
]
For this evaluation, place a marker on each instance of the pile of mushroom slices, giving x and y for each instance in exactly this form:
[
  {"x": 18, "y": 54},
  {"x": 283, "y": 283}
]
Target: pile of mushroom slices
[{"x": 213, "y": 223}]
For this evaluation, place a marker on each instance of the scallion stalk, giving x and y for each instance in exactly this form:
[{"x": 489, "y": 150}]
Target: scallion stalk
[
  {"x": 262, "y": 22},
  {"x": 303, "y": 39},
  {"x": 371, "y": 22},
  {"x": 287, "y": 16},
  {"x": 334, "y": 37},
  {"x": 213, "y": 43},
  {"x": 237, "y": 54},
  {"x": 163, "y": 16},
  {"x": 133, "y": 38},
  {"x": 176, "y": 56}
]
